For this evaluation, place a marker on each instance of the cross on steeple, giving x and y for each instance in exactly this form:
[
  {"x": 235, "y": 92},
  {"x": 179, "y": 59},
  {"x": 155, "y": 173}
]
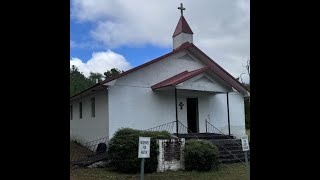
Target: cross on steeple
[{"x": 181, "y": 9}]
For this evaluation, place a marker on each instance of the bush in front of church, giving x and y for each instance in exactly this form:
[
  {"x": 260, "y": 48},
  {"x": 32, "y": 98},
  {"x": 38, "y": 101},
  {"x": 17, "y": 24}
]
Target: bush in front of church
[
  {"x": 123, "y": 150},
  {"x": 200, "y": 155}
]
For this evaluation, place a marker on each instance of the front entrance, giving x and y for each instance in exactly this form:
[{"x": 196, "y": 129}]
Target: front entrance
[{"x": 192, "y": 114}]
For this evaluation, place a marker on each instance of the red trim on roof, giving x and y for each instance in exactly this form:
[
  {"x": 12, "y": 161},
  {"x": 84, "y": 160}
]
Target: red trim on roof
[
  {"x": 93, "y": 88},
  {"x": 179, "y": 78},
  {"x": 182, "y": 47},
  {"x": 182, "y": 26},
  {"x": 223, "y": 74}
]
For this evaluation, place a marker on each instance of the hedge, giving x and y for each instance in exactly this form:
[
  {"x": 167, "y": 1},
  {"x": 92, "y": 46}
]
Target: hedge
[
  {"x": 123, "y": 150},
  {"x": 200, "y": 155}
]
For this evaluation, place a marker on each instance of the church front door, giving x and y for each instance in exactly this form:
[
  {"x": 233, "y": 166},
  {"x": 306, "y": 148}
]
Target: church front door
[{"x": 192, "y": 114}]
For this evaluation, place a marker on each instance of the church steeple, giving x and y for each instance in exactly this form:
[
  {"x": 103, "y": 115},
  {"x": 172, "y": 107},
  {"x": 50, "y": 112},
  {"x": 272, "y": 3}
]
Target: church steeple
[{"x": 183, "y": 32}]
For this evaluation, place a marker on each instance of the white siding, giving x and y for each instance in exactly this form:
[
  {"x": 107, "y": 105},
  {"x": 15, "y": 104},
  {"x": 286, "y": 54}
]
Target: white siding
[
  {"x": 237, "y": 114},
  {"x": 90, "y": 128},
  {"x": 204, "y": 111},
  {"x": 203, "y": 82},
  {"x": 182, "y": 38},
  {"x": 219, "y": 115},
  {"x": 132, "y": 102},
  {"x": 182, "y": 113},
  {"x": 139, "y": 108},
  {"x": 159, "y": 71}
]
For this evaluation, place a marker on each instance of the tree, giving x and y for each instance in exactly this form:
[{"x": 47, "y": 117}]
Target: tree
[
  {"x": 78, "y": 82},
  {"x": 95, "y": 76},
  {"x": 240, "y": 78},
  {"x": 112, "y": 72},
  {"x": 247, "y": 66},
  {"x": 246, "y": 99}
]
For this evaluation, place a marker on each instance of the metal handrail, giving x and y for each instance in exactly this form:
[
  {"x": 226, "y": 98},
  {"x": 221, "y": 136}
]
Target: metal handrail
[
  {"x": 239, "y": 145},
  {"x": 164, "y": 127},
  {"x": 184, "y": 129},
  {"x": 207, "y": 122},
  {"x": 88, "y": 149}
]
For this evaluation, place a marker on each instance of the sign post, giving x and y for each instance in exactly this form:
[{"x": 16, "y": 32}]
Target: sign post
[
  {"x": 245, "y": 148},
  {"x": 143, "y": 152}
]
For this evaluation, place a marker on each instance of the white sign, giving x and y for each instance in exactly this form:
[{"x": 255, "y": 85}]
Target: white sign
[
  {"x": 245, "y": 143},
  {"x": 144, "y": 147}
]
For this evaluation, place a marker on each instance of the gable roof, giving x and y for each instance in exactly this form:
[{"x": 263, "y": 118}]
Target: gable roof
[
  {"x": 223, "y": 74},
  {"x": 179, "y": 78},
  {"x": 182, "y": 26},
  {"x": 182, "y": 47}
]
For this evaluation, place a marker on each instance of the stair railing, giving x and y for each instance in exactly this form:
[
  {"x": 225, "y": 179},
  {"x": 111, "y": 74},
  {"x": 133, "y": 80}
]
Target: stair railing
[{"x": 183, "y": 129}]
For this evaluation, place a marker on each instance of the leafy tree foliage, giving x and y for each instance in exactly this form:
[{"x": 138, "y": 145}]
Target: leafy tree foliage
[
  {"x": 78, "y": 82},
  {"x": 112, "y": 72},
  {"x": 95, "y": 76}
]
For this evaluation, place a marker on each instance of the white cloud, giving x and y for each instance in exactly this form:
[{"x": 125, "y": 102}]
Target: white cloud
[
  {"x": 101, "y": 62},
  {"x": 221, "y": 27}
]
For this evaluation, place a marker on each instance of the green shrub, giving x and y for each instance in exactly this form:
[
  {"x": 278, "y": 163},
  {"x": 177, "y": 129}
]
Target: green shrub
[
  {"x": 200, "y": 155},
  {"x": 123, "y": 150}
]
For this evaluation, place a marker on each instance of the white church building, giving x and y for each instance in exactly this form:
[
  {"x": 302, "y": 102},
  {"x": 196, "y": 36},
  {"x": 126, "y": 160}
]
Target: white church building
[{"x": 184, "y": 85}]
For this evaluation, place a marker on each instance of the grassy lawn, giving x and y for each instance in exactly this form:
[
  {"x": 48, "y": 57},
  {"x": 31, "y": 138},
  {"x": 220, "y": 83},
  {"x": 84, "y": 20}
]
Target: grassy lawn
[{"x": 225, "y": 172}]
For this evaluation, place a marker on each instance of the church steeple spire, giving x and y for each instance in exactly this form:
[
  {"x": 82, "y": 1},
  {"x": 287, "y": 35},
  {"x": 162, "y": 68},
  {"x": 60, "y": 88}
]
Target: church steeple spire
[{"x": 183, "y": 32}]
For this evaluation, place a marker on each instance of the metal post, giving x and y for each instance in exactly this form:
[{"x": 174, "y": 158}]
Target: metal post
[
  {"x": 206, "y": 127},
  {"x": 175, "y": 96},
  {"x": 228, "y": 113},
  {"x": 247, "y": 164},
  {"x": 142, "y": 169}
]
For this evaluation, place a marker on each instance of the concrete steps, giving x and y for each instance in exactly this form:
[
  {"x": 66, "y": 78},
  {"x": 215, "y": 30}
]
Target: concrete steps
[
  {"x": 230, "y": 148},
  {"x": 231, "y": 151}
]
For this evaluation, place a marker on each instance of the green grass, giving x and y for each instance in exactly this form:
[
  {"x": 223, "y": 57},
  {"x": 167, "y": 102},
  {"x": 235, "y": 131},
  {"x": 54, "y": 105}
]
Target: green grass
[
  {"x": 235, "y": 171},
  {"x": 248, "y": 133}
]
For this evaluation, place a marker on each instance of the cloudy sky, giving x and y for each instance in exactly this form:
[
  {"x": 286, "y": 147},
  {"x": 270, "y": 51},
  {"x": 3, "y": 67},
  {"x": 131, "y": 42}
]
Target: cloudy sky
[{"x": 123, "y": 34}]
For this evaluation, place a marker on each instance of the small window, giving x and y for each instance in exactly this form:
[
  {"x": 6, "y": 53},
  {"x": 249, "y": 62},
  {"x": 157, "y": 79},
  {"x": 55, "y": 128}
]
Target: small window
[
  {"x": 80, "y": 110},
  {"x": 71, "y": 112},
  {"x": 93, "y": 107}
]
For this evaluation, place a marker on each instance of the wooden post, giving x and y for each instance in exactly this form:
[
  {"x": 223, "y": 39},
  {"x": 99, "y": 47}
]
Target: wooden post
[{"x": 228, "y": 113}]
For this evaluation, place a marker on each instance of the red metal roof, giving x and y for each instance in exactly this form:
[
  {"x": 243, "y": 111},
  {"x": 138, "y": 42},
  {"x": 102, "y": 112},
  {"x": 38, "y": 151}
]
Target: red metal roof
[
  {"x": 179, "y": 78},
  {"x": 182, "y": 26},
  {"x": 223, "y": 74},
  {"x": 182, "y": 47}
]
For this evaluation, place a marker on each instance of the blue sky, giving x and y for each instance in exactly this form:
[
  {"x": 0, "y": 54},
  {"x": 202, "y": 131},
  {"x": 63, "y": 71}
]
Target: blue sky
[{"x": 124, "y": 34}]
